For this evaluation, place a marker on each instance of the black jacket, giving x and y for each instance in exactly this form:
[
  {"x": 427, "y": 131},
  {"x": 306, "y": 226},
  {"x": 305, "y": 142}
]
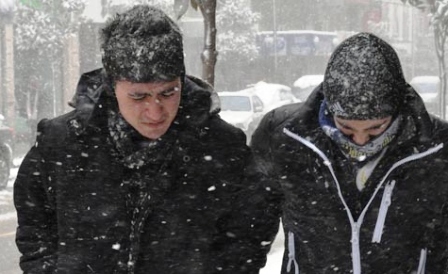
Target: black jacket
[
  {"x": 397, "y": 223},
  {"x": 192, "y": 213},
  {"x": 318, "y": 230}
]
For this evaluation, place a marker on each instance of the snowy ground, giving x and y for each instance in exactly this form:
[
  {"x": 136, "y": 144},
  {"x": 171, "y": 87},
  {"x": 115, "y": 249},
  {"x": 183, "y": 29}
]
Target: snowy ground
[
  {"x": 12, "y": 177},
  {"x": 5, "y": 197},
  {"x": 6, "y": 209},
  {"x": 274, "y": 263}
]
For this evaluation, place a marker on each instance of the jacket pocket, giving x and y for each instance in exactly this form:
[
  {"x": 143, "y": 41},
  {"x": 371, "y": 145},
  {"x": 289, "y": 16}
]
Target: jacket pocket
[
  {"x": 385, "y": 203},
  {"x": 292, "y": 254}
]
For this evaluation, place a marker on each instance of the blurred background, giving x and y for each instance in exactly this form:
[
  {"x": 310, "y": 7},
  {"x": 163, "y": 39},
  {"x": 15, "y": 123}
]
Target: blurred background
[
  {"x": 270, "y": 53},
  {"x": 46, "y": 44}
]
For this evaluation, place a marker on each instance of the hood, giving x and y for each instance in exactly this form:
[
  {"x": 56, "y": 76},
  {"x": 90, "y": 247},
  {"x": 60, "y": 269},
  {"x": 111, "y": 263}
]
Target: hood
[
  {"x": 364, "y": 80},
  {"x": 198, "y": 102},
  {"x": 199, "y": 97}
]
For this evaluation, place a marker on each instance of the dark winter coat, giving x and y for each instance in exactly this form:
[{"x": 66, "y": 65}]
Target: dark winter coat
[
  {"x": 78, "y": 211},
  {"x": 397, "y": 224},
  {"x": 315, "y": 220}
]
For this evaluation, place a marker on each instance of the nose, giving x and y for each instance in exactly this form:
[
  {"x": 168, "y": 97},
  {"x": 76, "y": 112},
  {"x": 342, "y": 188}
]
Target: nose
[
  {"x": 153, "y": 110},
  {"x": 360, "y": 138}
]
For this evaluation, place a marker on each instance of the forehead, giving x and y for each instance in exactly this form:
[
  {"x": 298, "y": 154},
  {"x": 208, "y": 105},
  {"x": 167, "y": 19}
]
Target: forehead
[
  {"x": 360, "y": 124},
  {"x": 126, "y": 86}
]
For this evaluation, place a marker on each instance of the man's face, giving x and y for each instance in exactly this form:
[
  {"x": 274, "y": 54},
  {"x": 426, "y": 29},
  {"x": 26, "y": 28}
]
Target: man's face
[{"x": 149, "y": 107}]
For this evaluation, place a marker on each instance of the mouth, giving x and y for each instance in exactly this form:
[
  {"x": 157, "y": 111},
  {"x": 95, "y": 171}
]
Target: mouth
[{"x": 153, "y": 124}]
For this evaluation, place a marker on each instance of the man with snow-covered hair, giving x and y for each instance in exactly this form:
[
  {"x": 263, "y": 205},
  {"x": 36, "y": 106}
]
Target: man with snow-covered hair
[
  {"x": 143, "y": 176},
  {"x": 363, "y": 168}
]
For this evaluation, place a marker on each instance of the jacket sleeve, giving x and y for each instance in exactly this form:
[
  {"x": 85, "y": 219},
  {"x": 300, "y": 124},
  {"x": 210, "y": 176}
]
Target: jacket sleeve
[
  {"x": 444, "y": 238},
  {"x": 36, "y": 236},
  {"x": 440, "y": 244},
  {"x": 261, "y": 143},
  {"x": 259, "y": 204},
  {"x": 249, "y": 229}
]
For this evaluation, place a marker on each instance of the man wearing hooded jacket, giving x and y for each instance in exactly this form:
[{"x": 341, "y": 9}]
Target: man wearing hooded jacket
[
  {"x": 363, "y": 167},
  {"x": 143, "y": 176}
]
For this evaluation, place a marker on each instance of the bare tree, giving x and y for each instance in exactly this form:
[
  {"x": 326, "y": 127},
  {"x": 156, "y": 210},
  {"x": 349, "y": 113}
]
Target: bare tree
[
  {"x": 438, "y": 10},
  {"x": 208, "y": 10}
]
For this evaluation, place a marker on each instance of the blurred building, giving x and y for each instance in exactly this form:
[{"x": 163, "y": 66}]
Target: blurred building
[
  {"x": 404, "y": 26},
  {"x": 7, "y": 100}
]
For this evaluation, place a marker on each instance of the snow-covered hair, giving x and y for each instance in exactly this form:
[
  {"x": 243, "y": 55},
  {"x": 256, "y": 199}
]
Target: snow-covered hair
[{"x": 142, "y": 45}]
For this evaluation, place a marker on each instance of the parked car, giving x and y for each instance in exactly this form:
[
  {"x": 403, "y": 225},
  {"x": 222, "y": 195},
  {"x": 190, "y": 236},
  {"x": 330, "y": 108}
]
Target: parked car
[
  {"x": 6, "y": 141},
  {"x": 241, "y": 109},
  {"x": 304, "y": 85},
  {"x": 428, "y": 88},
  {"x": 272, "y": 95}
]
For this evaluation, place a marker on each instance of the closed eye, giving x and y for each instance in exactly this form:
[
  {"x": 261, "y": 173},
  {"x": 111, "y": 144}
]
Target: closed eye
[
  {"x": 138, "y": 96},
  {"x": 169, "y": 92},
  {"x": 375, "y": 127},
  {"x": 380, "y": 126}
]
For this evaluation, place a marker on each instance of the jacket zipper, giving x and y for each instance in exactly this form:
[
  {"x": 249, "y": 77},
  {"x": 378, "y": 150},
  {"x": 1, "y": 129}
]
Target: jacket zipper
[
  {"x": 356, "y": 225},
  {"x": 291, "y": 254},
  {"x": 385, "y": 203}
]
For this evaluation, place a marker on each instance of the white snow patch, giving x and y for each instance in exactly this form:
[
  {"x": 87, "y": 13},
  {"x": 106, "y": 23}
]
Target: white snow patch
[
  {"x": 275, "y": 256},
  {"x": 212, "y": 188},
  {"x": 8, "y": 216},
  {"x": 208, "y": 158},
  {"x": 264, "y": 243}
]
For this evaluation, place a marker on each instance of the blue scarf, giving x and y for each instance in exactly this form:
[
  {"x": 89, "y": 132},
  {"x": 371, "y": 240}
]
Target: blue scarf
[{"x": 352, "y": 151}]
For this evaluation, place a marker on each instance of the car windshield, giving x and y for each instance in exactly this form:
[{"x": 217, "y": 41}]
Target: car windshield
[{"x": 235, "y": 103}]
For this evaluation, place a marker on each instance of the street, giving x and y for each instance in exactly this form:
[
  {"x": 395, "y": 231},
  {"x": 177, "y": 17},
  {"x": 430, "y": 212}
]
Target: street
[{"x": 9, "y": 255}]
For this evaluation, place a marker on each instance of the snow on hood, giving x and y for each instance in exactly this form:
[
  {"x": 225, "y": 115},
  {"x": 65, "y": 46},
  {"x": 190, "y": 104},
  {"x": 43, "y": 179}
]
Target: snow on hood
[
  {"x": 364, "y": 79},
  {"x": 199, "y": 98},
  {"x": 364, "y": 75}
]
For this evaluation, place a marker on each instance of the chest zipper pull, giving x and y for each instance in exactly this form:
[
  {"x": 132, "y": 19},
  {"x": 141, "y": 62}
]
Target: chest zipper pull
[
  {"x": 385, "y": 203},
  {"x": 356, "y": 253},
  {"x": 292, "y": 254},
  {"x": 422, "y": 263}
]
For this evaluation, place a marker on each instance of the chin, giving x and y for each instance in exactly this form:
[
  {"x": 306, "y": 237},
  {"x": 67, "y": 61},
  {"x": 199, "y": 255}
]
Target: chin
[{"x": 153, "y": 135}]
